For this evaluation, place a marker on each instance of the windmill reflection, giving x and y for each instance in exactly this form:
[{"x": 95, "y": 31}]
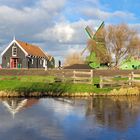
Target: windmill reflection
[
  {"x": 119, "y": 113},
  {"x": 15, "y": 105}
]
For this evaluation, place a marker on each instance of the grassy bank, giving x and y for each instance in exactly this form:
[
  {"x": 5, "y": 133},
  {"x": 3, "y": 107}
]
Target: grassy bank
[{"x": 45, "y": 86}]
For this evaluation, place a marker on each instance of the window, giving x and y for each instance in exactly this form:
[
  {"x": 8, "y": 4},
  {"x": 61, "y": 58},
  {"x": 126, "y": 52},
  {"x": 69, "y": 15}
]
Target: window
[
  {"x": 14, "y": 51},
  {"x": 40, "y": 61}
]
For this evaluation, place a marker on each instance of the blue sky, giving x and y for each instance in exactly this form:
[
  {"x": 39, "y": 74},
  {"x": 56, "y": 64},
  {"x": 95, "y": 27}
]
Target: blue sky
[{"x": 58, "y": 25}]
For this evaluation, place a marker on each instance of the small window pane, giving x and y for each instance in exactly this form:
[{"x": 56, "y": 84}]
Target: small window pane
[{"x": 14, "y": 51}]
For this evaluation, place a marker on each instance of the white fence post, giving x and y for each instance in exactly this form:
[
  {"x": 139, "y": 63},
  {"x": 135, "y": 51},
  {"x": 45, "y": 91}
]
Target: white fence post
[{"x": 91, "y": 76}]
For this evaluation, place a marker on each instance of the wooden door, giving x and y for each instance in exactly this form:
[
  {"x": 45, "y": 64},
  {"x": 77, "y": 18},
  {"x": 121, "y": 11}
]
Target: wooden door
[{"x": 13, "y": 62}]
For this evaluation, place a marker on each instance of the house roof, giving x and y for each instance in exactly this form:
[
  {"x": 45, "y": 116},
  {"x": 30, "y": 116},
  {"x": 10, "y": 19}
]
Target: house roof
[
  {"x": 29, "y": 49},
  {"x": 32, "y": 49}
]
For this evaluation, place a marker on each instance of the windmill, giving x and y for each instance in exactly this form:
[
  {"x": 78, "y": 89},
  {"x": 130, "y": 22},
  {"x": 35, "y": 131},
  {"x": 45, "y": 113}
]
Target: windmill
[{"x": 98, "y": 51}]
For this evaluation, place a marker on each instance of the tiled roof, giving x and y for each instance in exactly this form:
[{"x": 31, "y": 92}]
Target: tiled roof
[{"x": 32, "y": 49}]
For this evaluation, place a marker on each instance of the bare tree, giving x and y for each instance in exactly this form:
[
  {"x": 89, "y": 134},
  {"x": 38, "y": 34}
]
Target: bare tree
[
  {"x": 74, "y": 58},
  {"x": 121, "y": 42},
  {"x": 135, "y": 50}
]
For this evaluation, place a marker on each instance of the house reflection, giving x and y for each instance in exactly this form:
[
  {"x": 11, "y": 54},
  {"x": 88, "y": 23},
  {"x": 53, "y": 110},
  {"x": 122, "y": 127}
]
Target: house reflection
[
  {"x": 115, "y": 112},
  {"x": 15, "y": 105}
]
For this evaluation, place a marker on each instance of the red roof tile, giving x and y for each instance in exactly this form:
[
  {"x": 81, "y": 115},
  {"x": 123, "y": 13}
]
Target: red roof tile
[{"x": 32, "y": 49}]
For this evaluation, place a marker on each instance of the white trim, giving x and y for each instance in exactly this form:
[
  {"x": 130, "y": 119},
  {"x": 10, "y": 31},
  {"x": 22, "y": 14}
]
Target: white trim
[
  {"x": 7, "y": 47},
  {"x": 50, "y": 58},
  {"x": 47, "y": 55},
  {"x": 21, "y": 48},
  {"x": 14, "y": 41}
]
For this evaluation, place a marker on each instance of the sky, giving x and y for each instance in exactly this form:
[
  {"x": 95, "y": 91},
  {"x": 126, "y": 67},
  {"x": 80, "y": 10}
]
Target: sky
[{"x": 58, "y": 26}]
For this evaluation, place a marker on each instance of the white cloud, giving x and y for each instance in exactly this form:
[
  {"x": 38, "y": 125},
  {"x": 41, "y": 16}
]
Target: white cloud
[
  {"x": 29, "y": 19},
  {"x": 65, "y": 37},
  {"x": 51, "y": 5},
  {"x": 61, "y": 33},
  {"x": 44, "y": 22},
  {"x": 66, "y": 32},
  {"x": 95, "y": 2},
  {"x": 135, "y": 26},
  {"x": 104, "y": 15}
]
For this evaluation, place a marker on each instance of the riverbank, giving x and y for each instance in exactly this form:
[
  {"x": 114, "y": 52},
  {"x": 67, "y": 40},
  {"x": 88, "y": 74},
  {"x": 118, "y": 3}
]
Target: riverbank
[
  {"x": 121, "y": 92},
  {"x": 39, "y": 86}
]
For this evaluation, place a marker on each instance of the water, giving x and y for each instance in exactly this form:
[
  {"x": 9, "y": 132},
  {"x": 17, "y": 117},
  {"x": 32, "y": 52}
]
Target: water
[{"x": 70, "y": 119}]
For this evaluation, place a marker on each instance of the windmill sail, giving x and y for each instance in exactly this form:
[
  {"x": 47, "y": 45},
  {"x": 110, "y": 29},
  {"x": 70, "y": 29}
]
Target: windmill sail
[
  {"x": 99, "y": 31},
  {"x": 83, "y": 50},
  {"x": 96, "y": 37},
  {"x": 89, "y": 32}
]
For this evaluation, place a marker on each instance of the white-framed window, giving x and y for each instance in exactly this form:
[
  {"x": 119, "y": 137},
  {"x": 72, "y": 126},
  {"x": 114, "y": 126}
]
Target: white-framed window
[
  {"x": 14, "y": 51},
  {"x": 40, "y": 61}
]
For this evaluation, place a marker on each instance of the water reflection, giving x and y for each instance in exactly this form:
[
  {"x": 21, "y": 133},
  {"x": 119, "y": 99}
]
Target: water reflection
[
  {"x": 116, "y": 112},
  {"x": 61, "y": 118},
  {"x": 14, "y": 105}
]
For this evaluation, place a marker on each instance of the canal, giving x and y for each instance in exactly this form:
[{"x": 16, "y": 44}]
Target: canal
[{"x": 100, "y": 118}]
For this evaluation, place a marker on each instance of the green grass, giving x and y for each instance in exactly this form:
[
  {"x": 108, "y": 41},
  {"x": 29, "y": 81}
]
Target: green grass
[
  {"x": 27, "y": 78},
  {"x": 96, "y": 80},
  {"x": 42, "y": 84}
]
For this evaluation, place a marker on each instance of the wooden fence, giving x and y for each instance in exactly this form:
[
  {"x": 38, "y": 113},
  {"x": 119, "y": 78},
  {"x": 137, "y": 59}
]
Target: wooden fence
[
  {"x": 131, "y": 80},
  {"x": 111, "y": 81},
  {"x": 83, "y": 76},
  {"x": 134, "y": 79},
  {"x": 86, "y": 77},
  {"x": 76, "y": 76}
]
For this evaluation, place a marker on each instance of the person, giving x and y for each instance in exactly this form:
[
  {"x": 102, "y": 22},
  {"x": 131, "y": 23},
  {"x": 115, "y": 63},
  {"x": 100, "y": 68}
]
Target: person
[{"x": 59, "y": 64}]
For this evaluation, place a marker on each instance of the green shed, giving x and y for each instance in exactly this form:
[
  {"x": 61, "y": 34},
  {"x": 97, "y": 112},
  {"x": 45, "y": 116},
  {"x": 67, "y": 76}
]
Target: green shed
[{"x": 130, "y": 64}]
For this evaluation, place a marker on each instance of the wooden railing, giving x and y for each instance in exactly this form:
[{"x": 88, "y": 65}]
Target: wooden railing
[
  {"x": 134, "y": 79},
  {"x": 111, "y": 81},
  {"x": 77, "y": 76},
  {"x": 131, "y": 80},
  {"x": 86, "y": 77},
  {"x": 83, "y": 76}
]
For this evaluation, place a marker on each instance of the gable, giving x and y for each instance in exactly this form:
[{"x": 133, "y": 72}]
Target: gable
[{"x": 14, "y": 41}]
